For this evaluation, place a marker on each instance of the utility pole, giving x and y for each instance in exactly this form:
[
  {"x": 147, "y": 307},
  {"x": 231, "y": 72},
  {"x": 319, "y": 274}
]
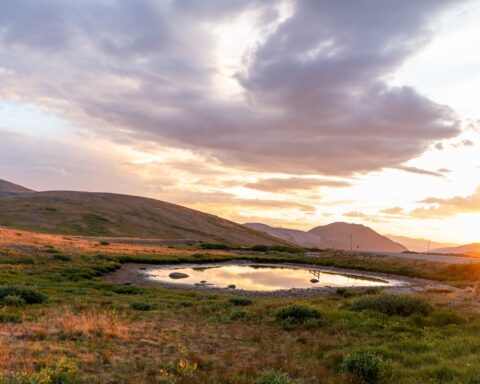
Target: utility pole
[
  {"x": 428, "y": 251},
  {"x": 351, "y": 243}
]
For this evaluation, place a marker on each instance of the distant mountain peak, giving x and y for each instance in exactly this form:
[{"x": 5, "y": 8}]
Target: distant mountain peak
[{"x": 337, "y": 235}]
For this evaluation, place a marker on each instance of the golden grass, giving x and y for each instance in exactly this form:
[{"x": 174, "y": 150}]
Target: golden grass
[{"x": 15, "y": 238}]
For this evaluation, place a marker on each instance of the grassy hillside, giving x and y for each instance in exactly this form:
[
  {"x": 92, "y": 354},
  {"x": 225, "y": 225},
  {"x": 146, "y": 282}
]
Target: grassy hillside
[
  {"x": 61, "y": 323},
  {"x": 7, "y": 187},
  {"x": 105, "y": 214}
]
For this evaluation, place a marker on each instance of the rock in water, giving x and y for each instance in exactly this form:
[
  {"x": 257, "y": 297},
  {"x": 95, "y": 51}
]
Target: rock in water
[
  {"x": 314, "y": 281},
  {"x": 232, "y": 286},
  {"x": 178, "y": 275}
]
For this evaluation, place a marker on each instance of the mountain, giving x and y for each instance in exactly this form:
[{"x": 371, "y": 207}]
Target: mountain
[
  {"x": 468, "y": 249},
  {"x": 292, "y": 235},
  {"x": 107, "y": 214},
  {"x": 418, "y": 245},
  {"x": 359, "y": 237},
  {"x": 335, "y": 235},
  {"x": 7, "y": 188}
]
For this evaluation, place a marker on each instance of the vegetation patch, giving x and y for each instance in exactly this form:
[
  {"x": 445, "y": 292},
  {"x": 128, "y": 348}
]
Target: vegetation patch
[
  {"x": 30, "y": 296},
  {"x": 391, "y": 305},
  {"x": 141, "y": 306},
  {"x": 240, "y": 301},
  {"x": 367, "y": 367},
  {"x": 274, "y": 377},
  {"x": 294, "y": 315}
]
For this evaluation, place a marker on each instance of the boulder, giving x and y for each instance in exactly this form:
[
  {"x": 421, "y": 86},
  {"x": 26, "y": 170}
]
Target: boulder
[{"x": 178, "y": 275}]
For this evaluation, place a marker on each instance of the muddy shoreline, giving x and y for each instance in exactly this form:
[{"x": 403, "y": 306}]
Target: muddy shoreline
[{"x": 137, "y": 274}]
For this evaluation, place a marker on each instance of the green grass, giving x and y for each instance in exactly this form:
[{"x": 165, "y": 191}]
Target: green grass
[{"x": 125, "y": 333}]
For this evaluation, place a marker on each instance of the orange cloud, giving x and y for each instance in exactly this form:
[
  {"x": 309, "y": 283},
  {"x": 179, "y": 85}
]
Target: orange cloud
[{"x": 450, "y": 206}]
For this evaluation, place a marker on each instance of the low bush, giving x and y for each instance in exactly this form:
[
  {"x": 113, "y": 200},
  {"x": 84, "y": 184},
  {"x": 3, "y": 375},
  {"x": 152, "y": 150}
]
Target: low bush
[
  {"x": 7, "y": 315},
  {"x": 29, "y": 295},
  {"x": 51, "y": 249},
  {"x": 391, "y": 305},
  {"x": 127, "y": 290},
  {"x": 13, "y": 301},
  {"x": 273, "y": 377},
  {"x": 367, "y": 367},
  {"x": 214, "y": 246},
  {"x": 238, "y": 314},
  {"x": 439, "y": 319},
  {"x": 240, "y": 301},
  {"x": 345, "y": 292},
  {"x": 17, "y": 260},
  {"x": 60, "y": 257},
  {"x": 298, "y": 314},
  {"x": 141, "y": 306}
]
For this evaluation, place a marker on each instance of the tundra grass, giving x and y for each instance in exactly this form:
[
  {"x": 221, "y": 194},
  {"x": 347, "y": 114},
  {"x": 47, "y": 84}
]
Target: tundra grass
[{"x": 90, "y": 331}]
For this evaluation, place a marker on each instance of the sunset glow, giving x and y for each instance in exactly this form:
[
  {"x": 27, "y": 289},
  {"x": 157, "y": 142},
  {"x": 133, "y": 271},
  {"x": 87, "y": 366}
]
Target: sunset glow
[{"x": 251, "y": 111}]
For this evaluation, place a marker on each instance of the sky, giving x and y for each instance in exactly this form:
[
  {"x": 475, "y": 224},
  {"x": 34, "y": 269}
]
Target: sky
[{"x": 294, "y": 113}]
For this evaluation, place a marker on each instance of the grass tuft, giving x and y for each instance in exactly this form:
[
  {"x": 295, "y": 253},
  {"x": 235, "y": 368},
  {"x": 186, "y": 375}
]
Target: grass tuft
[{"x": 390, "y": 305}]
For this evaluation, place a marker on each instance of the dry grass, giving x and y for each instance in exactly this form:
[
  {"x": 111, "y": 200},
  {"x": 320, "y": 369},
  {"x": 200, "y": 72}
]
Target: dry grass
[{"x": 24, "y": 241}]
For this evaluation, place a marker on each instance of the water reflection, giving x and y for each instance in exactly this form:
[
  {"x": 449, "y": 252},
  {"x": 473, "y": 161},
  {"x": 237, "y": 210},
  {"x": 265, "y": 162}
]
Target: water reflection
[{"x": 263, "y": 277}]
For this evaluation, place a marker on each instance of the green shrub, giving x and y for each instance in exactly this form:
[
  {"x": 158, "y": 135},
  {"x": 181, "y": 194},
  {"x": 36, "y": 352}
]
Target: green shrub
[
  {"x": 62, "y": 373},
  {"x": 29, "y": 295},
  {"x": 298, "y": 314},
  {"x": 439, "y": 319},
  {"x": 51, "y": 249},
  {"x": 345, "y": 292},
  {"x": 391, "y": 305},
  {"x": 61, "y": 257},
  {"x": 273, "y": 377},
  {"x": 13, "y": 301},
  {"x": 260, "y": 248},
  {"x": 126, "y": 290},
  {"x": 9, "y": 316},
  {"x": 141, "y": 306},
  {"x": 238, "y": 314},
  {"x": 240, "y": 301},
  {"x": 17, "y": 260},
  {"x": 214, "y": 246},
  {"x": 365, "y": 366}
]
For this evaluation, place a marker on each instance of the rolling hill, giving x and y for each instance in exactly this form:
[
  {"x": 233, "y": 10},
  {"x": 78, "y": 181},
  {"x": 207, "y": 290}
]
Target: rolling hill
[
  {"x": 8, "y": 188},
  {"x": 292, "y": 235},
  {"x": 335, "y": 235},
  {"x": 418, "y": 245},
  {"x": 468, "y": 249},
  {"x": 115, "y": 215}
]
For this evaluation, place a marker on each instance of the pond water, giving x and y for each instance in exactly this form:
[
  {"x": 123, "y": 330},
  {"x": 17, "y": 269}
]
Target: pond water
[{"x": 256, "y": 277}]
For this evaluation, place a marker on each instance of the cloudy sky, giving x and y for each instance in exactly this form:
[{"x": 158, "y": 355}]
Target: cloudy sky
[{"x": 292, "y": 113}]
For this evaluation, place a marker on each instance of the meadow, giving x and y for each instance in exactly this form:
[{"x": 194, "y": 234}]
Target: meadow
[{"x": 61, "y": 323}]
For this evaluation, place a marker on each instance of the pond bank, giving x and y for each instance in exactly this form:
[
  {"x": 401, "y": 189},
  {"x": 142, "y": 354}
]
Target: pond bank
[{"x": 140, "y": 275}]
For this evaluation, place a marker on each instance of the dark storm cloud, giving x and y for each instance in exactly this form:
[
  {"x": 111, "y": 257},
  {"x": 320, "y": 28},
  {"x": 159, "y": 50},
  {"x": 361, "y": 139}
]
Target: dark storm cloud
[{"x": 315, "y": 94}]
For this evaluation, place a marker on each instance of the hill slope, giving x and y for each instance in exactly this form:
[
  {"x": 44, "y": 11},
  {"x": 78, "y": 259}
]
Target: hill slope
[
  {"x": 292, "y": 235},
  {"x": 106, "y": 214},
  {"x": 468, "y": 249},
  {"x": 335, "y": 235},
  {"x": 418, "y": 245},
  {"x": 7, "y": 188}
]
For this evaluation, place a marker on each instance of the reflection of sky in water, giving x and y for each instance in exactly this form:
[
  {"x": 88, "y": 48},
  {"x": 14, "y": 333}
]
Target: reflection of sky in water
[{"x": 263, "y": 278}]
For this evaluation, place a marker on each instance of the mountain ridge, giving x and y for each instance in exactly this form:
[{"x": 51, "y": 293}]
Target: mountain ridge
[
  {"x": 117, "y": 215},
  {"x": 338, "y": 235}
]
